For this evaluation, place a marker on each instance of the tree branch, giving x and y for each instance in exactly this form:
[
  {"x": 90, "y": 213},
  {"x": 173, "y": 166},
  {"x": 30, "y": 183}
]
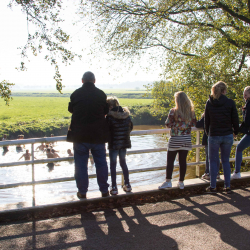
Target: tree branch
[
  {"x": 231, "y": 12},
  {"x": 242, "y": 62},
  {"x": 160, "y": 44},
  {"x": 144, "y": 10}
]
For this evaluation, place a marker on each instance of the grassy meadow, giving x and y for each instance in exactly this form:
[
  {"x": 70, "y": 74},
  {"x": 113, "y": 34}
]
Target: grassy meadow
[
  {"x": 42, "y": 108},
  {"x": 40, "y": 116}
]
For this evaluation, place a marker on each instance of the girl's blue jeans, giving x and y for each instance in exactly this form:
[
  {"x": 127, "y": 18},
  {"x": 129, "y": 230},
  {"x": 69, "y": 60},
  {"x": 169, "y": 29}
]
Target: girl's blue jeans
[
  {"x": 122, "y": 159},
  {"x": 224, "y": 143},
  {"x": 243, "y": 144}
]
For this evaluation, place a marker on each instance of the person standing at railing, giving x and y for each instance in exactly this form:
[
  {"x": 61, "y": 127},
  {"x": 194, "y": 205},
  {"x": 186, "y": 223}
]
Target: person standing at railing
[
  {"x": 221, "y": 121},
  {"x": 180, "y": 119},
  {"x": 245, "y": 129},
  {"x": 201, "y": 124},
  {"x": 89, "y": 131},
  {"x": 120, "y": 126}
]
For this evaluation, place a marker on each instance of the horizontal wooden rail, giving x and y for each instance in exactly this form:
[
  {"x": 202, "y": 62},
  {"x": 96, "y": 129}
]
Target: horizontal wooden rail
[{"x": 63, "y": 138}]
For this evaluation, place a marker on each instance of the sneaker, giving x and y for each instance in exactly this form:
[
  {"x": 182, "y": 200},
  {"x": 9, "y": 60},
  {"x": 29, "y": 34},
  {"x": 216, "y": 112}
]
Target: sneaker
[
  {"x": 81, "y": 196},
  {"x": 210, "y": 190},
  {"x": 205, "y": 176},
  {"x": 218, "y": 176},
  {"x": 235, "y": 176},
  {"x": 180, "y": 185},
  {"x": 105, "y": 194},
  {"x": 114, "y": 191},
  {"x": 228, "y": 190},
  {"x": 127, "y": 188},
  {"x": 166, "y": 184}
]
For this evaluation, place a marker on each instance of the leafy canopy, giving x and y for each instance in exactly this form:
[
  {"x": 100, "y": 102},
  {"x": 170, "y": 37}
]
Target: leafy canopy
[{"x": 197, "y": 42}]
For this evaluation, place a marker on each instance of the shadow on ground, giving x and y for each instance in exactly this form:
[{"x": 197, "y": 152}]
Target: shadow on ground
[{"x": 196, "y": 222}]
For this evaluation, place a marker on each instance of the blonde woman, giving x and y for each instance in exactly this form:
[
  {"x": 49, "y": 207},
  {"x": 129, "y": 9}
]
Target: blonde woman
[
  {"x": 180, "y": 119},
  {"x": 221, "y": 121},
  {"x": 245, "y": 129}
]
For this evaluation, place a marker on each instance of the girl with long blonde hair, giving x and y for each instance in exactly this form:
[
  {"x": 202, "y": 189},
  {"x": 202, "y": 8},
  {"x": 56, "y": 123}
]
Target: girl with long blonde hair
[{"x": 180, "y": 119}]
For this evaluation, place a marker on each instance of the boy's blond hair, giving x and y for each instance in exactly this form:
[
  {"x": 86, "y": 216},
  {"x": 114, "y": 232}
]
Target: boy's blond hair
[{"x": 113, "y": 101}]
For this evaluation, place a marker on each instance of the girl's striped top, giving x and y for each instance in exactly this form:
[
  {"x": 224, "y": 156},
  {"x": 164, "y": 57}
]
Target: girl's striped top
[{"x": 181, "y": 142}]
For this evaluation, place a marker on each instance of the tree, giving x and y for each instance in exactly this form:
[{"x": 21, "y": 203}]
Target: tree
[
  {"x": 183, "y": 28},
  {"x": 5, "y": 91},
  {"x": 198, "y": 42},
  {"x": 162, "y": 92},
  {"x": 44, "y": 35}
]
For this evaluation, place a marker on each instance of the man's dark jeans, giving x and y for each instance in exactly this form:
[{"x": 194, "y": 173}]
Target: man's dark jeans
[{"x": 81, "y": 156}]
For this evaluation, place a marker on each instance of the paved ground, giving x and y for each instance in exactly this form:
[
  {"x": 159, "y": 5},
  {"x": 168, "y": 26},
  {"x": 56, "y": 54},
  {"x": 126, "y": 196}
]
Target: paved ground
[{"x": 198, "y": 222}]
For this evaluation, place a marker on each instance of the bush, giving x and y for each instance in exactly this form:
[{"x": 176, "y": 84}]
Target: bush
[{"x": 144, "y": 115}]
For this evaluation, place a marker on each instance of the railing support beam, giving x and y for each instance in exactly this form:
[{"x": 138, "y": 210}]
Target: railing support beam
[{"x": 198, "y": 168}]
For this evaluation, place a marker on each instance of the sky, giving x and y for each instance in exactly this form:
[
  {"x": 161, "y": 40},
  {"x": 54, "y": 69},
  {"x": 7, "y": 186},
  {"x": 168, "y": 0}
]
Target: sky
[{"x": 14, "y": 32}]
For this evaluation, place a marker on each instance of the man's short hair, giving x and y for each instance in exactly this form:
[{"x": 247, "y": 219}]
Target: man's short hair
[{"x": 88, "y": 77}]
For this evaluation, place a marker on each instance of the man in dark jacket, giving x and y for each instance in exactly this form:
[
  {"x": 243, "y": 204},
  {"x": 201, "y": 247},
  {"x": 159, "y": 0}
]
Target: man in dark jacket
[{"x": 89, "y": 131}]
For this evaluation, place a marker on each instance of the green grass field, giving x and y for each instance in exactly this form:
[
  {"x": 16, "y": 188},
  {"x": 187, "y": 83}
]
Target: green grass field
[
  {"x": 41, "y": 116},
  {"x": 27, "y": 109},
  {"x": 128, "y": 94},
  {"x": 107, "y": 91}
]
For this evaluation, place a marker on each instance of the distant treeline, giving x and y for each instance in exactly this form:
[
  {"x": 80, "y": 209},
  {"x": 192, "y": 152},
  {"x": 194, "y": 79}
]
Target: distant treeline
[{"x": 119, "y": 95}]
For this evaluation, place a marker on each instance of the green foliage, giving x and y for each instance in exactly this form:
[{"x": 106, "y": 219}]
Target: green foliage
[
  {"x": 198, "y": 75},
  {"x": 197, "y": 42},
  {"x": 5, "y": 91},
  {"x": 145, "y": 115},
  {"x": 134, "y": 102},
  {"x": 163, "y": 94},
  {"x": 183, "y": 28}
]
